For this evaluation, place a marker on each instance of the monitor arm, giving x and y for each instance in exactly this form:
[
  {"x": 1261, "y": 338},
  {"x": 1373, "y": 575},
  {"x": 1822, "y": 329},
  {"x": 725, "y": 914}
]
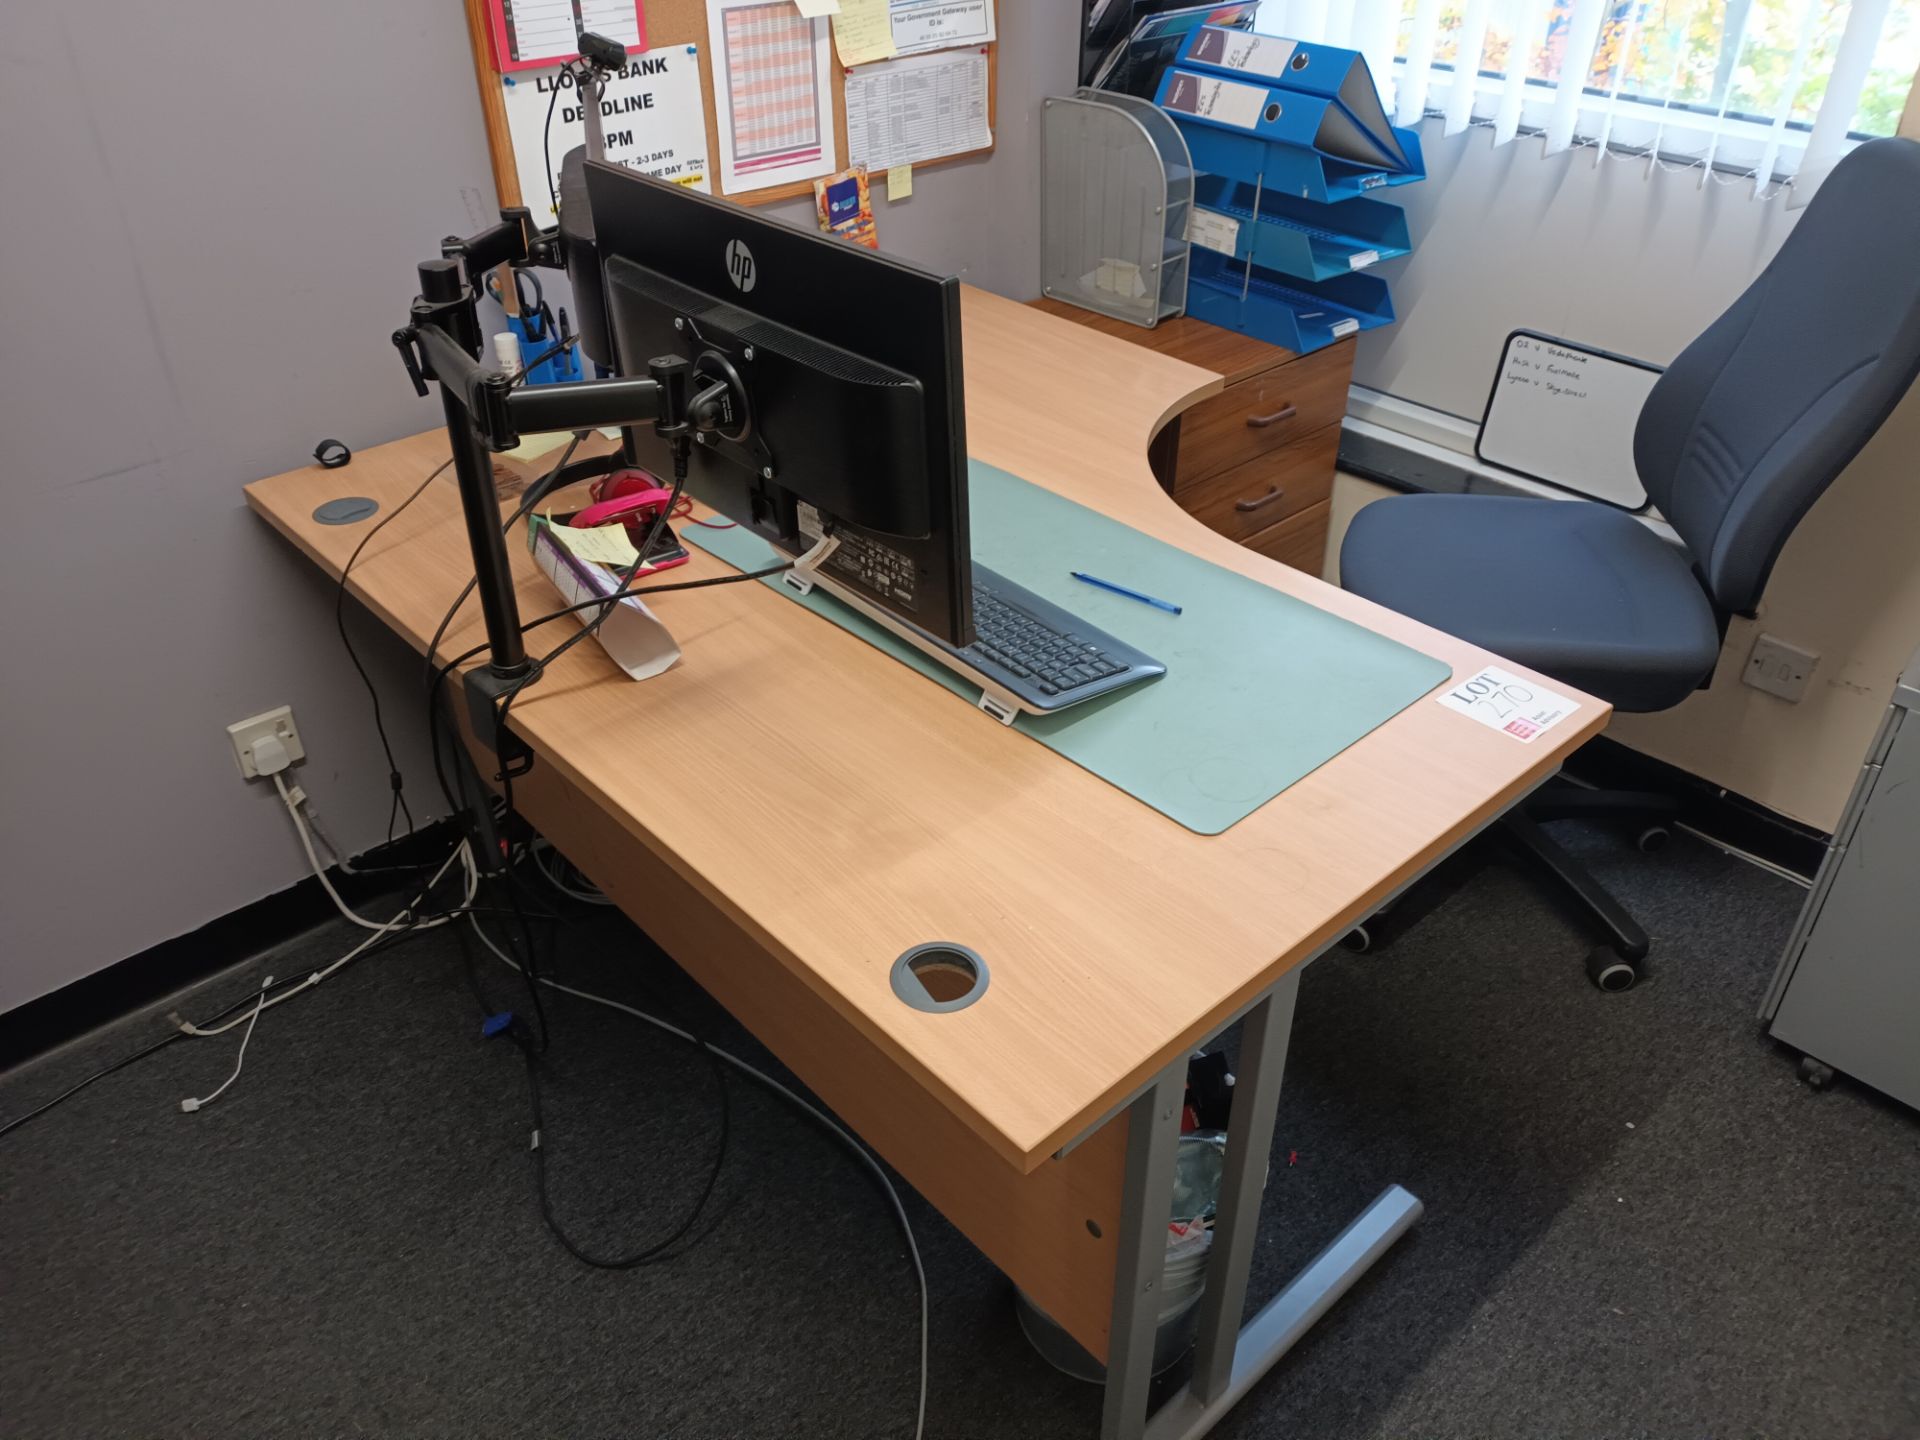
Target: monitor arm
[{"x": 487, "y": 411}]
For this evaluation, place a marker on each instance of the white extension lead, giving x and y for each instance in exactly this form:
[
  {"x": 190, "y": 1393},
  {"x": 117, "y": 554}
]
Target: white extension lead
[
  {"x": 203, "y": 1032},
  {"x": 292, "y": 798},
  {"x": 190, "y": 1104}
]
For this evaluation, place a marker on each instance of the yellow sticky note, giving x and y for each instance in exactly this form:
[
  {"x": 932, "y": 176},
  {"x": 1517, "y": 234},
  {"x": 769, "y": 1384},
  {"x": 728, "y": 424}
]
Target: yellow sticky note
[
  {"x": 601, "y": 544},
  {"x": 863, "y": 31},
  {"x": 814, "y": 9},
  {"x": 899, "y": 182},
  {"x": 534, "y": 446}
]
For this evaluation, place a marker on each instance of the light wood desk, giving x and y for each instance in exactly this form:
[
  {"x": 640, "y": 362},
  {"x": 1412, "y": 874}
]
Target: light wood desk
[
  {"x": 828, "y": 809},
  {"x": 1256, "y": 460}
]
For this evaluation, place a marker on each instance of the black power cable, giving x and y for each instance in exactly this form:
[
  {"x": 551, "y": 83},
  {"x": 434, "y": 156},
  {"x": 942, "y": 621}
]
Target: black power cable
[
  {"x": 658, "y": 1249},
  {"x": 252, "y": 996},
  {"x": 73, "y": 1090},
  {"x": 587, "y": 631},
  {"x": 436, "y": 720},
  {"x": 394, "y": 779},
  {"x": 532, "y": 1045},
  {"x": 447, "y": 668},
  {"x": 546, "y": 138}
]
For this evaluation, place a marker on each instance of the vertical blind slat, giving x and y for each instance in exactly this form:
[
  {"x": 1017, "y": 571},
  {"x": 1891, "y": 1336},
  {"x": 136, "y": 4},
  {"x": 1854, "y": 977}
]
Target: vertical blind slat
[
  {"x": 1466, "y": 64},
  {"x": 1583, "y": 30},
  {"x": 1663, "y": 112}
]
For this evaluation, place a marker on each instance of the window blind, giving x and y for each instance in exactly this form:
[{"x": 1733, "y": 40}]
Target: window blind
[{"x": 1774, "y": 90}]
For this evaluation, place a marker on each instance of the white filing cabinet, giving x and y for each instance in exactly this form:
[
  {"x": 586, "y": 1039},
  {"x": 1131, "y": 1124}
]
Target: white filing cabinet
[{"x": 1848, "y": 988}]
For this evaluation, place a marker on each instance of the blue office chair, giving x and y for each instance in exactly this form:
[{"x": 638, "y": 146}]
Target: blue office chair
[{"x": 1736, "y": 441}]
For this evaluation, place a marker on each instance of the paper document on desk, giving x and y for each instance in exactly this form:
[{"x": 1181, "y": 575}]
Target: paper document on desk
[{"x": 632, "y": 635}]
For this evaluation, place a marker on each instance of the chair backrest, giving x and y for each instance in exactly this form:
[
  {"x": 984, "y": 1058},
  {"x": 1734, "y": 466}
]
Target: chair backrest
[{"x": 1754, "y": 419}]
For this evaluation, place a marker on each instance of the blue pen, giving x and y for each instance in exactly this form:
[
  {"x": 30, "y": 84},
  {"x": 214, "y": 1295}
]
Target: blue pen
[{"x": 1166, "y": 605}]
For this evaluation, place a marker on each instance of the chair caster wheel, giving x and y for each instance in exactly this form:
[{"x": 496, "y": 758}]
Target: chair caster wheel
[
  {"x": 1653, "y": 839},
  {"x": 1359, "y": 940},
  {"x": 1609, "y": 971},
  {"x": 1815, "y": 1075}
]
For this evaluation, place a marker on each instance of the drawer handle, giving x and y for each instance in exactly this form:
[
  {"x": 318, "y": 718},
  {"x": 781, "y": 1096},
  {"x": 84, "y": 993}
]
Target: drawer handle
[
  {"x": 1247, "y": 507},
  {"x": 1260, "y": 422}
]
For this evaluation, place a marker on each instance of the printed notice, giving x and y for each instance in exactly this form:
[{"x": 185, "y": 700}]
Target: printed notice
[
  {"x": 1211, "y": 230},
  {"x": 615, "y": 19},
  {"x": 923, "y": 25},
  {"x": 909, "y": 111},
  {"x": 1503, "y": 701},
  {"x": 1221, "y": 101},
  {"x": 772, "y": 93},
  {"x": 530, "y": 33},
  {"x": 1243, "y": 50},
  {"x": 650, "y": 114}
]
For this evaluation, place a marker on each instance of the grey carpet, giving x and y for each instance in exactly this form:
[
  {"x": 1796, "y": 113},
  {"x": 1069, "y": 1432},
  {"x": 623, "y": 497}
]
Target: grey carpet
[{"x": 1638, "y": 1222}]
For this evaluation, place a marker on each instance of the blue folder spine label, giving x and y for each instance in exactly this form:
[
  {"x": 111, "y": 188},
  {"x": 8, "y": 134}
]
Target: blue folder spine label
[
  {"x": 1242, "y": 50},
  {"x": 1222, "y": 101}
]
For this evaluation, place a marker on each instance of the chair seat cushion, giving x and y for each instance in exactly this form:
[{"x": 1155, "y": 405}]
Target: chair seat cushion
[{"x": 1576, "y": 590}]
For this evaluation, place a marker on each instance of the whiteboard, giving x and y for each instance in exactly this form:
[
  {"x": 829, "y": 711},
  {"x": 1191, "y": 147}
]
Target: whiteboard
[{"x": 1564, "y": 413}]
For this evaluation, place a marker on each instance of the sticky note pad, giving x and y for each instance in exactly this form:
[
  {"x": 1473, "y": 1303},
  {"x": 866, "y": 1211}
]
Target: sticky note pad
[
  {"x": 863, "y": 31},
  {"x": 899, "y": 182},
  {"x": 603, "y": 544},
  {"x": 814, "y": 9}
]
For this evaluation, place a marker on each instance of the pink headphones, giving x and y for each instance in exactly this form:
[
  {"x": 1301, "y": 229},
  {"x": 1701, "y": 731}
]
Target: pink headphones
[{"x": 631, "y": 497}]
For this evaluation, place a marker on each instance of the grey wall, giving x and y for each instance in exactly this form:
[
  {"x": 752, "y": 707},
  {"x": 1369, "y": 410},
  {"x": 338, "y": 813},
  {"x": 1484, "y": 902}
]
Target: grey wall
[
  {"x": 1605, "y": 254},
  {"x": 210, "y": 231}
]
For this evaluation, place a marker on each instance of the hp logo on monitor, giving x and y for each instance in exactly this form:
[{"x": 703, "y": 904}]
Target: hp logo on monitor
[{"x": 740, "y": 265}]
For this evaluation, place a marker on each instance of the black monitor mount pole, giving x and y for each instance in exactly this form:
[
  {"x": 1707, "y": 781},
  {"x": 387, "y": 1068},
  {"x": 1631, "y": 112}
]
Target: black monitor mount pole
[{"x": 488, "y": 410}]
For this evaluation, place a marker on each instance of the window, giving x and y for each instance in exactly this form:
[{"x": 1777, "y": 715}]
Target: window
[{"x": 1769, "y": 88}]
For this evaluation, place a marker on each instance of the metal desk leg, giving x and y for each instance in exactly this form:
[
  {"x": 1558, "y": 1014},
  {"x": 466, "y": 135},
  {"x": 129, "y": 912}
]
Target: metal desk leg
[
  {"x": 1146, "y": 1206},
  {"x": 1291, "y": 1313},
  {"x": 1256, "y": 1103},
  {"x": 1229, "y": 1358}
]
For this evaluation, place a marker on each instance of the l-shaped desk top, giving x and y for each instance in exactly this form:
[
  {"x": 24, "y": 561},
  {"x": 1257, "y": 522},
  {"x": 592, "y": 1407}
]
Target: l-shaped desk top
[{"x": 843, "y": 809}]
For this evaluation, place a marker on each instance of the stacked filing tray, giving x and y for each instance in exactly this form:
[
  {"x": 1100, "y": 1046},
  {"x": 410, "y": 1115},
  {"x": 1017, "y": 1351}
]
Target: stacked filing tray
[{"x": 1292, "y": 141}]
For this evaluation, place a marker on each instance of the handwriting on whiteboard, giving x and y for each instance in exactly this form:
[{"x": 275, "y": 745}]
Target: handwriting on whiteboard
[{"x": 1551, "y": 369}]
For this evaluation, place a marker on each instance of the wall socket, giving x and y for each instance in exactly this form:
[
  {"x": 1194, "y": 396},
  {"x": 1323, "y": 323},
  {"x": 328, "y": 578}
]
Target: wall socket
[
  {"x": 278, "y": 721},
  {"x": 1779, "y": 668}
]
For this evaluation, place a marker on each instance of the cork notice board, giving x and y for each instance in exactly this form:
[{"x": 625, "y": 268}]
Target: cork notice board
[{"x": 671, "y": 22}]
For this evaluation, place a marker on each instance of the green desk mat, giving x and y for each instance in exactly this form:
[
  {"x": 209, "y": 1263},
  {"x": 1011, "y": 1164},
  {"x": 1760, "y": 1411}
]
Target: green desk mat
[{"x": 1260, "y": 688}]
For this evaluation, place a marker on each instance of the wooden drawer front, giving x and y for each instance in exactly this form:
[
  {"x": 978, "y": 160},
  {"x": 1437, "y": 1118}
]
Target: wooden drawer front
[
  {"x": 1258, "y": 495},
  {"x": 1299, "y": 541},
  {"x": 1263, "y": 413}
]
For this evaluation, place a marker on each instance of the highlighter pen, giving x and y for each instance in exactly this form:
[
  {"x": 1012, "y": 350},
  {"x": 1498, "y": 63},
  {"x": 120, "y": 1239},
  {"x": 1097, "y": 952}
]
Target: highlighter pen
[{"x": 1094, "y": 580}]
